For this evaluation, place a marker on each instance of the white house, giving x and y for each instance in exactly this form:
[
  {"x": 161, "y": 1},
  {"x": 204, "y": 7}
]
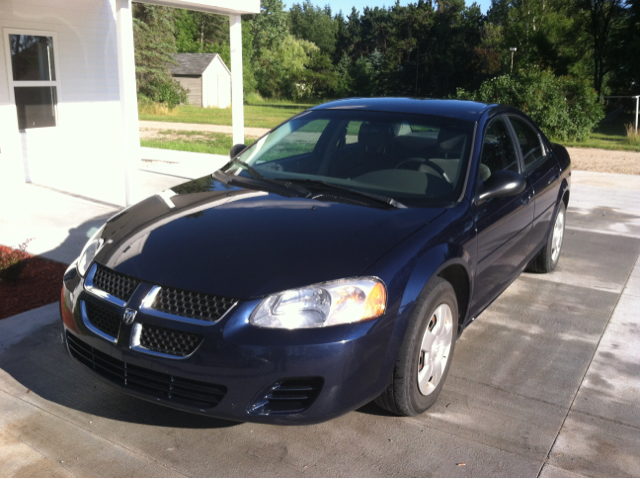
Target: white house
[
  {"x": 68, "y": 108},
  {"x": 206, "y": 77}
]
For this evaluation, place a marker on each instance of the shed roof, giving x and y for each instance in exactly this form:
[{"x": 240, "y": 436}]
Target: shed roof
[{"x": 192, "y": 63}]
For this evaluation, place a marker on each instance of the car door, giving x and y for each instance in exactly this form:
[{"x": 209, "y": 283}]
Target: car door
[
  {"x": 502, "y": 224},
  {"x": 543, "y": 171}
]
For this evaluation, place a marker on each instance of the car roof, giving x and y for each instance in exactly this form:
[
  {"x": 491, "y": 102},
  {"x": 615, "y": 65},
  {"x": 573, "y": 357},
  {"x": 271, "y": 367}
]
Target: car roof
[{"x": 461, "y": 109}]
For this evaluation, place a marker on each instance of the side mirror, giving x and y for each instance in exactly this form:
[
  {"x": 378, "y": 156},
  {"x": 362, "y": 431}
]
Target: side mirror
[
  {"x": 501, "y": 183},
  {"x": 236, "y": 149}
]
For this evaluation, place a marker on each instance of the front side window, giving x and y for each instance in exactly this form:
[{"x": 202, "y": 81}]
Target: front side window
[
  {"x": 415, "y": 159},
  {"x": 528, "y": 140},
  {"x": 33, "y": 80},
  {"x": 497, "y": 150}
]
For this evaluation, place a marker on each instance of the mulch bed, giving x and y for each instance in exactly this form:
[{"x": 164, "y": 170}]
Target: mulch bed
[{"x": 39, "y": 283}]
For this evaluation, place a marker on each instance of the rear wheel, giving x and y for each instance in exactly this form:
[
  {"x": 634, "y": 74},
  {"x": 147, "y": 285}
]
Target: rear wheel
[
  {"x": 547, "y": 259},
  {"x": 426, "y": 352}
]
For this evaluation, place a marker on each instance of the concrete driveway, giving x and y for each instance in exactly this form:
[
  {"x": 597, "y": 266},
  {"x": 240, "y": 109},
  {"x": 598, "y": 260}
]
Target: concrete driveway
[{"x": 546, "y": 382}]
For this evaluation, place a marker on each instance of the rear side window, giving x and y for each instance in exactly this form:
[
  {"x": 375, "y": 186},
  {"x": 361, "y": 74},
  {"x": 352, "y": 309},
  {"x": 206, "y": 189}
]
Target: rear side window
[
  {"x": 497, "y": 150},
  {"x": 528, "y": 140}
]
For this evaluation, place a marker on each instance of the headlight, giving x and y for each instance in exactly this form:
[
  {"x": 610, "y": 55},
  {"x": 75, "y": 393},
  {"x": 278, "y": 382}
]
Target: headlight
[
  {"x": 89, "y": 251},
  {"x": 326, "y": 304}
]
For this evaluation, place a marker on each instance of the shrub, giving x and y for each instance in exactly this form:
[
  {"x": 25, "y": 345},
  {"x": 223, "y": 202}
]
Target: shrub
[
  {"x": 169, "y": 94},
  {"x": 12, "y": 261},
  {"x": 564, "y": 107},
  {"x": 252, "y": 98}
]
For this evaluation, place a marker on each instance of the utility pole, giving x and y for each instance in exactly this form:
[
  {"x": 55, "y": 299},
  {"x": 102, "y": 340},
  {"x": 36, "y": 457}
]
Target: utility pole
[{"x": 512, "y": 50}]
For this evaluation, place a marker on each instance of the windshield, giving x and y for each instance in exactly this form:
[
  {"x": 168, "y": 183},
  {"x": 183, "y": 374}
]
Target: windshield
[{"x": 415, "y": 159}]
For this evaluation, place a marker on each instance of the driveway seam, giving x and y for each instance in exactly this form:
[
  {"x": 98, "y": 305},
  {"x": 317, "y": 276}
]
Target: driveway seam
[
  {"x": 92, "y": 433},
  {"x": 595, "y": 351}
]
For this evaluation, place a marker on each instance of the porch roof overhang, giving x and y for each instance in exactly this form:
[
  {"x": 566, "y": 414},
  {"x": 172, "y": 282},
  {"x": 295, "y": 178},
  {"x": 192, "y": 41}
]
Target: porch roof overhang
[{"x": 239, "y": 7}]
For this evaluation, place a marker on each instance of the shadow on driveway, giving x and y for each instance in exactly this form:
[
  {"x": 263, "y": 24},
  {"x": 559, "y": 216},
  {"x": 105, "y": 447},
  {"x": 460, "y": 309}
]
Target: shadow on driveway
[{"x": 40, "y": 363}]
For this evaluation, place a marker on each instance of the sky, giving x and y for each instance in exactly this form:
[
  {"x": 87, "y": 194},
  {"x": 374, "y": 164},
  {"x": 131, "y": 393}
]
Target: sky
[{"x": 345, "y": 5}]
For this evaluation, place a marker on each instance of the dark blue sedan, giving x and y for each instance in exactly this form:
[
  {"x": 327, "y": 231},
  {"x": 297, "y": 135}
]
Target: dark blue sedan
[{"x": 333, "y": 262}]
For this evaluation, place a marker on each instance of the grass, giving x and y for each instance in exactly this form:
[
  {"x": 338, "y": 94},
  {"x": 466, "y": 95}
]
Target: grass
[
  {"x": 268, "y": 114},
  {"x": 263, "y": 115},
  {"x": 612, "y": 135},
  {"x": 195, "y": 141}
]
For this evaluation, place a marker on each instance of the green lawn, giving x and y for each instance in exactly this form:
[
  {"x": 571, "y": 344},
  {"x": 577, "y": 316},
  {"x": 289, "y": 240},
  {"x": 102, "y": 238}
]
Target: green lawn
[
  {"x": 195, "y": 141},
  {"x": 609, "y": 136},
  {"x": 265, "y": 115}
]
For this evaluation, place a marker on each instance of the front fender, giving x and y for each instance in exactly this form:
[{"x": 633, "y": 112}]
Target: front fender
[{"x": 448, "y": 241}]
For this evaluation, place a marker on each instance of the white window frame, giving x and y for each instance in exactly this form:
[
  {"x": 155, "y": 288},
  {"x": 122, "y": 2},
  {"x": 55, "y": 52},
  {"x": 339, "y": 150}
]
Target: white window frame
[{"x": 39, "y": 83}]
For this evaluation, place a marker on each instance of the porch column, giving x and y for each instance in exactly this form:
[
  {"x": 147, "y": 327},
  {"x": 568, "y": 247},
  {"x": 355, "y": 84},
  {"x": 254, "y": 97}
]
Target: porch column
[
  {"x": 128, "y": 101},
  {"x": 237, "y": 100}
]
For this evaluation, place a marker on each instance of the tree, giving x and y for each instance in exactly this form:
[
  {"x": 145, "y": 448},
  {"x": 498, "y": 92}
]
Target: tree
[
  {"x": 320, "y": 78},
  {"x": 197, "y": 31},
  {"x": 314, "y": 25},
  {"x": 268, "y": 28},
  {"x": 155, "y": 47},
  {"x": 625, "y": 67},
  {"x": 547, "y": 33},
  {"x": 606, "y": 16},
  {"x": 564, "y": 107}
]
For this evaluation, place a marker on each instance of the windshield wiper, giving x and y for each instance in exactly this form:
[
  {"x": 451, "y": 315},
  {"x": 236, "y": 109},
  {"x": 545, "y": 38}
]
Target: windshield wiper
[
  {"x": 252, "y": 171},
  {"x": 381, "y": 199},
  {"x": 257, "y": 176}
]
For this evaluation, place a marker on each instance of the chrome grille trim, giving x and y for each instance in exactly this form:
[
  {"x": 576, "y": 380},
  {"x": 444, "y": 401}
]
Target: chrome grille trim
[{"x": 91, "y": 288}]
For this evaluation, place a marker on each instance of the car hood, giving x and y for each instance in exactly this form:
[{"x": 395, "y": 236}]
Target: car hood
[{"x": 245, "y": 243}]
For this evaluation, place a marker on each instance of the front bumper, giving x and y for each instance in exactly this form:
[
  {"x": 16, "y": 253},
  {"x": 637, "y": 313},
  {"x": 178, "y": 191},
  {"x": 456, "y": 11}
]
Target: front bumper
[{"x": 238, "y": 371}]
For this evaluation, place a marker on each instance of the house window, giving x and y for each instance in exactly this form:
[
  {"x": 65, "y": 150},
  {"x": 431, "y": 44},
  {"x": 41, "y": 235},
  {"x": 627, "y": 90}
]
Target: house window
[{"x": 34, "y": 81}]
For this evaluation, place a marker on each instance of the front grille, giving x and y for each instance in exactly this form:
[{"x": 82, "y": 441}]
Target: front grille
[
  {"x": 102, "y": 318},
  {"x": 289, "y": 397},
  {"x": 116, "y": 284},
  {"x": 158, "y": 385},
  {"x": 206, "y": 307},
  {"x": 168, "y": 341}
]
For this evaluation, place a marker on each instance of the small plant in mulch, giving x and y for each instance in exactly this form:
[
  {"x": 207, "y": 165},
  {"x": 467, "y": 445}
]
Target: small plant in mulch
[
  {"x": 13, "y": 261},
  {"x": 27, "y": 282}
]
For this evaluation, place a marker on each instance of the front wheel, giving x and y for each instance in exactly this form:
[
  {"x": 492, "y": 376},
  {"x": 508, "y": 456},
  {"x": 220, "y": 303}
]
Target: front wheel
[
  {"x": 547, "y": 259},
  {"x": 426, "y": 352}
]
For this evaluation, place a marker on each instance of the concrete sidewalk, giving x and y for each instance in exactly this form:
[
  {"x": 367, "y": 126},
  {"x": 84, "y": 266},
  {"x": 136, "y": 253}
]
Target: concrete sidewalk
[{"x": 544, "y": 383}]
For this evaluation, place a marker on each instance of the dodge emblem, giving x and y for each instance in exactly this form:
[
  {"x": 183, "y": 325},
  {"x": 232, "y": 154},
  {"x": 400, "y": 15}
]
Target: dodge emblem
[{"x": 129, "y": 316}]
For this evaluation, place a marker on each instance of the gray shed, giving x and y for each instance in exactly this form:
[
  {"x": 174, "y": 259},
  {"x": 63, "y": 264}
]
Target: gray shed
[{"x": 206, "y": 77}]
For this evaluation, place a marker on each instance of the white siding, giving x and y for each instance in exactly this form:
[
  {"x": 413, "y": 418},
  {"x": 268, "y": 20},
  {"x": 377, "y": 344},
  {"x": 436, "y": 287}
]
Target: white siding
[
  {"x": 83, "y": 154},
  {"x": 217, "y": 79}
]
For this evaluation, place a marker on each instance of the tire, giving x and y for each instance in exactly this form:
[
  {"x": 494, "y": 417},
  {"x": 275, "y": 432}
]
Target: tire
[
  {"x": 547, "y": 259},
  {"x": 434, "y": 319}
]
